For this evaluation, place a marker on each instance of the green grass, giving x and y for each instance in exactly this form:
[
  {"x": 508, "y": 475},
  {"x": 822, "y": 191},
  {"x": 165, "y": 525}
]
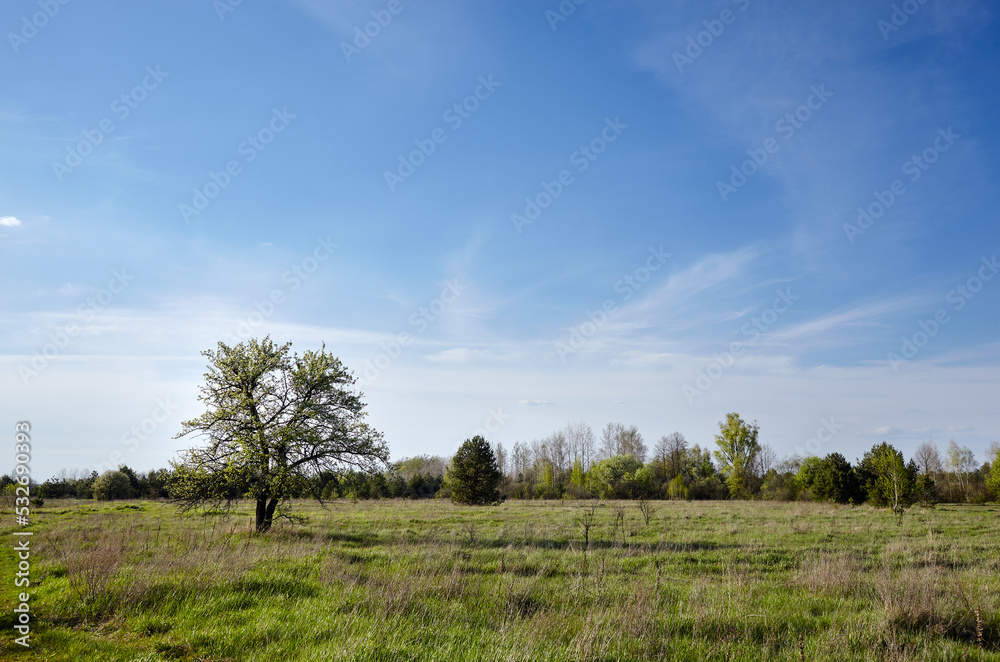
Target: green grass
[{"x": 425, "y": 580}]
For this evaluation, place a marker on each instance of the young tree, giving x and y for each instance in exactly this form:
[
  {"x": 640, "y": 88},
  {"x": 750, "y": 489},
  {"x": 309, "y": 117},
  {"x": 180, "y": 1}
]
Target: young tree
[
  {"x": 474, "y": 475},
  {"x": 737, "y": 454},
  {"x": 889, "y": 482},
  {"x": 577, "y": 477},
  {"x": 677, "y": 489},
  {"x": 272, "y": 420}
]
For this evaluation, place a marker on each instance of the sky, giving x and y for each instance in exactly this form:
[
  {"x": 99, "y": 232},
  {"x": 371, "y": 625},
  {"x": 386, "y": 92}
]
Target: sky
[{"x": 505, "y": 217}]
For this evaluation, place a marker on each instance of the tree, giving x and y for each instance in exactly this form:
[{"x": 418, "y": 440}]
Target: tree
[
  {"x": 737, "y": 454},
  {"x": 613, "y": 478},
  {"x": 993, "y": 479},
  {"x": 112, "y": 486},
  {"x": 834, "y": 480},
  {"x": 805, "y": 477},
  {"x": 670, "y": 454},
  {"x": 993, "y": 452},
  {"x": 273, "y": 419},
  {"x": 577, "y": 476},
  {"x": 632, "y": 443},
  {"x": 677, "y": 489},
  {"x": 767, "y": 459},
  {"x": 611, "y": 441},
  {"x": 928, "y": 459},
  {"x": 474, "y": 475},
  {"x": 581, "y": 442},
  {"x": 962, "y": 462},
  {"x": 616, "y": 439},
  {"x": 888, "y": 481}
]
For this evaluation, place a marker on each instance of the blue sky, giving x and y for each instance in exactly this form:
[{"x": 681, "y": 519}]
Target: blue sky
[{"x": 173, "y": 169}]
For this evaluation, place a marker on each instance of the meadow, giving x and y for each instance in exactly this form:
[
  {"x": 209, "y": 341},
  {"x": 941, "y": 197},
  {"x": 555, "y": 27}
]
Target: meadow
[{"x": 428, "y": 580}]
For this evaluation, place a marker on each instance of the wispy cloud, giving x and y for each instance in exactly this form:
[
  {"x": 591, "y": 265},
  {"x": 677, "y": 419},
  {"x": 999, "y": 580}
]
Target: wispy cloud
[
  {"x": 831, "y": 328},
  {"x": 9, "y": 221}
]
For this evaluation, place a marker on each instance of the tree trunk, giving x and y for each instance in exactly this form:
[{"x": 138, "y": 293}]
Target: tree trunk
[{"x": 265, "y": 513}]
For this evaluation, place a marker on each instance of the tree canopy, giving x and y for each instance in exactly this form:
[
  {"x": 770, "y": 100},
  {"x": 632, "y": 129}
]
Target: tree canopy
[
  {"x": 273, "y": 419},
  {"x": 737, "y": 454}
]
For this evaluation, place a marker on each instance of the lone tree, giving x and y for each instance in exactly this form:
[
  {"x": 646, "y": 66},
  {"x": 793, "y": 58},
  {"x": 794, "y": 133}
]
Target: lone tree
[
  {"x": 887, "y": 479},
  {"x": 474, "y": 474},
  {"x": 737, "y": 454},
  {"x": 273, "y": 420}
]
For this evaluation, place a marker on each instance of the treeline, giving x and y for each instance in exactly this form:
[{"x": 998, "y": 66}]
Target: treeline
[
  {"x": 412, "y": 478},
  {"x": 573, "y": 463}
]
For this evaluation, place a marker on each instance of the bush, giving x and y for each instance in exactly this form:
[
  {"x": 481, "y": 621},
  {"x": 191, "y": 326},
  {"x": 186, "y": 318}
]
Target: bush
[{"x": 111, "y": 486}]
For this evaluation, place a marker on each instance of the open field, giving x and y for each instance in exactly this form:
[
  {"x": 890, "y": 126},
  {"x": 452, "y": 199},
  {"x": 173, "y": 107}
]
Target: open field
[{"x": 402, "y": 580}]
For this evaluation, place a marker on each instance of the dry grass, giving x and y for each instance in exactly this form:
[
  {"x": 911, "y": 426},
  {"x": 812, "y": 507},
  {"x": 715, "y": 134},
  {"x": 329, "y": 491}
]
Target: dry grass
[{"x": 433, "y": 581}]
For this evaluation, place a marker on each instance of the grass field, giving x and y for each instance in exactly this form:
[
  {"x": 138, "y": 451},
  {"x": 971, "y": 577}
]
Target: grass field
[{"x": 426, "y": 580}]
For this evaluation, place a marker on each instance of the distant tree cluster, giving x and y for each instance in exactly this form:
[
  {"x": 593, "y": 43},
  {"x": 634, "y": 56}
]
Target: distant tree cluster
[
  {"x": 122, "y": 483},
  {"x": 573, "y": 464}
]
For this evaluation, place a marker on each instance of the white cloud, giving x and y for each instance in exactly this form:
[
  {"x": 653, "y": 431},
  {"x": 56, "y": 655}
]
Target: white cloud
[{"x": 9, "y": 221}]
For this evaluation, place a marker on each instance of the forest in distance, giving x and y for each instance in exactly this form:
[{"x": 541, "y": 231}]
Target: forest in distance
[{"x": 573, "y": 463}]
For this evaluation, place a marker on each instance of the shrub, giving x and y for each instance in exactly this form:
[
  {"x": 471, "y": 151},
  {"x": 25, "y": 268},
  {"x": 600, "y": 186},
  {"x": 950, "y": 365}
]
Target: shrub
[{"x": 112, "y": 485}]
